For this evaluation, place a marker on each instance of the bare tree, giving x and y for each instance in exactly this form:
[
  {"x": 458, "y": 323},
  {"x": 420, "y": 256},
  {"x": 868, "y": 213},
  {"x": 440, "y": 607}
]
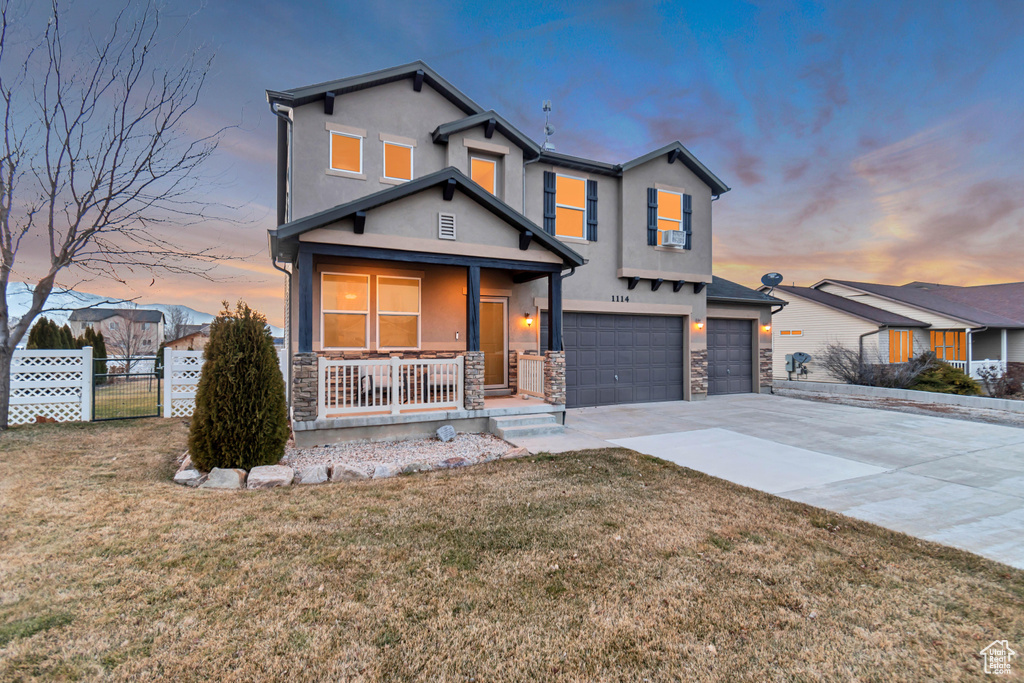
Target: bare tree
[
  {"x": 178, "y": 322},
  {"x": 96, "y": 156},
  {"x": 852, "y": 367},
  {"x": 130, "y": 338}
]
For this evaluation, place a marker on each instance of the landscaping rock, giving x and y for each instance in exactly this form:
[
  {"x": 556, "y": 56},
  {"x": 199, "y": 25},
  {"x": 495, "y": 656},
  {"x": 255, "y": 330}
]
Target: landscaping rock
[
  {"x": 224, "y": 479},
  {"x": 452, "y": 463},
  {"x": 190, "y": 477},
  {"x": 414, "y": 467},
  {"x": 385, "y": 470},
  {"x": 340, "y": 472},
  {"x": 314, "y": 474},
  {"x": 446, "y": 433},
  {"x": 517, "y": 453},
  {"x": 270, "y": 476},
  {"x": 186, "y": 464}
]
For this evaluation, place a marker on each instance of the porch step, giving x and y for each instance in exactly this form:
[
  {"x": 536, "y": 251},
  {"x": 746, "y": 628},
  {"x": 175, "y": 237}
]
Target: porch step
[{"x": 511, "y": 427}]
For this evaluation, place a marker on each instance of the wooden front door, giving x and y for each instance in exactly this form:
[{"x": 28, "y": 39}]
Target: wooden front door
[{"x": 494, "y": 341}]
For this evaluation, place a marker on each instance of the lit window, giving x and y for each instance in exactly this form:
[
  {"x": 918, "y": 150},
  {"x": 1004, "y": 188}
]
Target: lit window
[
  {"x": 346, "y": 152},
  {"x": 949, "y": 344},
  {"x": 670, "y": 212},
  {"x": 345, "y": 306},
  {"x": 398, "y": 312},
  {"x": 483, "y": 172},
  {"x": 901, "y": 346},
  {"x": 791, "y": 333},
  {"x": 570, "y": 206},
  {"x": 397, "y": 161}
]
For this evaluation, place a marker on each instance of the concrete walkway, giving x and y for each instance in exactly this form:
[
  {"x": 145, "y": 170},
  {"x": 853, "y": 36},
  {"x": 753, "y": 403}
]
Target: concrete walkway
[{"x": 950, "y": 481}]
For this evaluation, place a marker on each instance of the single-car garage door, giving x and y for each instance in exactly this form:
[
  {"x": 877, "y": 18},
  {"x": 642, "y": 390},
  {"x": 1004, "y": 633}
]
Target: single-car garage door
[
  {"x": 621, "y": 358},
  {"x": 730, "y": 356}
]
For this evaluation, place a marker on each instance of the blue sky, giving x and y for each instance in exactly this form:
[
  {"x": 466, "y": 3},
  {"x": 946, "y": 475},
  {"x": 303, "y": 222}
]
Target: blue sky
[{"x": 862, "y": 140}]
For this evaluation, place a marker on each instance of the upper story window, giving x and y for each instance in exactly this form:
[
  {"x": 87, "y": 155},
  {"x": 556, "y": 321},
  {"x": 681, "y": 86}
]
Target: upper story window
[
  {"x": 484, "y": 173},
  {"x": 114, "y": 325},
  {"x": 345, "y": 310},
  {"x": 346, "y": 152},
  {"x": 398, "y": 312},
  {"x": 570, "y": 206},
  {"x": 670, "y": 213},
  {"x": 397, "y": 161}
]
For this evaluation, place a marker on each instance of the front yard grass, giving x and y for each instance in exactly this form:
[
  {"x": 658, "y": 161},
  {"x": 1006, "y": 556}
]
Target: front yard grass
[{"x": 590, "y": 566}]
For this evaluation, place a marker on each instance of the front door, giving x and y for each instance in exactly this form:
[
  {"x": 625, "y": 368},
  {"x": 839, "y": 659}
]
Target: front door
[{"x": 494, "y": 341}]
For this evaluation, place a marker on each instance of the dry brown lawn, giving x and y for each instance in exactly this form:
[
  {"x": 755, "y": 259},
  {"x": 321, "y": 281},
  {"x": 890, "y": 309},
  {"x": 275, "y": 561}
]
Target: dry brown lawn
[{"x": 593, "y": 566}]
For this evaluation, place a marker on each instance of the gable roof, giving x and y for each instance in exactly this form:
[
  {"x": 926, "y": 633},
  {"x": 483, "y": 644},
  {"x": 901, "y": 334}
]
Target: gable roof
[
  {"x": 941, "y": 300},
  {"x": 690, "y": 161},
  {"x": 854, "y": 308},
  {"x": 284, "y": 239},
  {"x": 296, "y": 97},
  {"x": 95, "y": 315},
  {"x": 529, "y": 147},
  {"x": 720, "y": 289}
]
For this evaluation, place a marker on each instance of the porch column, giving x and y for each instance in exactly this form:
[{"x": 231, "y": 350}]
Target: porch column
[
  {"x": 970, "y": 351},
  {"x": 554, "y": 357},
  {"x": 474, "y": 366},
  {"x": 305, "y": 265},
  {"x": 1003, "y": 349},
  {"x": 555, "y": 312}
]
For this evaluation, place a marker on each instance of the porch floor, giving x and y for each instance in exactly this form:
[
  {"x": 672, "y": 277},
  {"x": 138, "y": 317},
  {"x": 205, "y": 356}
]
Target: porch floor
[{"x": 494, "y": 406}]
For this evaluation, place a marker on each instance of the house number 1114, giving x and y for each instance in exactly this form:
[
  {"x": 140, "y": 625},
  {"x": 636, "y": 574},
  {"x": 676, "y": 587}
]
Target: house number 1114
[{"x": 620, "y": 297}]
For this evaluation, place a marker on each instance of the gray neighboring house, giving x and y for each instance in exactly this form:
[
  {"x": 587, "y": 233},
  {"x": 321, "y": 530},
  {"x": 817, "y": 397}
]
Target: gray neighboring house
[
  {"x": 968, "y": 327},
  {"x": 140, "y": 328},
  {"x": 440, "y": 263}
]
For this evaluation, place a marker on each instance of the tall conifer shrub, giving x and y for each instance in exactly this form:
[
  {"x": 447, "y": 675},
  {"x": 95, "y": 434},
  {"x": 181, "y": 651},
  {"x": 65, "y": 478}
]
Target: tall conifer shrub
[{"x": 240, "y": 417}]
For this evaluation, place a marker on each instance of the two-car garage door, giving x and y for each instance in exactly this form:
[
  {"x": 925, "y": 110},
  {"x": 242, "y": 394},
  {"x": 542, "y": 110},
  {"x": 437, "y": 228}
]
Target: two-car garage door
[{"x": 612, "y": 359}]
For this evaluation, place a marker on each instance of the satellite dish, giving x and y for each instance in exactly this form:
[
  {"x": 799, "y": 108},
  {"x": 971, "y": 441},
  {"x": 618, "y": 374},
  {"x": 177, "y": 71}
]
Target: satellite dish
[
  {"x": 801, "y": 357},
  {"x": 771, "y": 279}
]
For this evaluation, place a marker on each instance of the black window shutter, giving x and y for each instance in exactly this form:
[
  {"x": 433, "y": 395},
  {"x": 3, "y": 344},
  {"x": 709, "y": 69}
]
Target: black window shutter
[
  {"x": 549, "y": 202},
  {"x": 688, "y": 218},
  {"x": 592, "y": 210},
  {"x": 652, "y": 216}
]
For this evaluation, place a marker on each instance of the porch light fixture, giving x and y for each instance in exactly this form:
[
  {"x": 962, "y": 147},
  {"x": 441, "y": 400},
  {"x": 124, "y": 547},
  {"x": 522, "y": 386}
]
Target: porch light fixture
[
  {"x": 700, "y": 324},
  {"x": 767, "y": 328},
  {"x": 529, "y": 319}
]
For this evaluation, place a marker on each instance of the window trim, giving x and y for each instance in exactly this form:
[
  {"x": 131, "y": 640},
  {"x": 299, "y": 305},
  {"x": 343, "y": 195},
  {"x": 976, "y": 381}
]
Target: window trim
[
  {"x": 899, "y": 346},
  {"x": 384, "y": 160},
  {"x": 366, "y": 313},
  {"x": 494, "y": 174},
  {"x": 659, "y": 219},
  {"x": 418, "y": 314},
  {"x": 959, "y": 344},
  {"x": 330, "y": 153},
  {"x": 583, "y": 209},
  {"x": 791, "y": 333}
]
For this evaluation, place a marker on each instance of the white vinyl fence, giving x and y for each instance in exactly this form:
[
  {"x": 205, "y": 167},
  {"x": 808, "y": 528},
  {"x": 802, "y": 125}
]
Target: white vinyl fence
[
  {"x": 53, "y": 385},
  {"x": 58, "y": 385},
  {"x": 392, "y": 385},
  {"x": 530, "y": 375}
]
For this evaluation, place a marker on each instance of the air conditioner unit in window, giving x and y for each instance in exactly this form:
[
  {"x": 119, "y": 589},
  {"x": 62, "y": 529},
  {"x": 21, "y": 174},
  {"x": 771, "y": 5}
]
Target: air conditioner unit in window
[{"x": 673, "y": 238}]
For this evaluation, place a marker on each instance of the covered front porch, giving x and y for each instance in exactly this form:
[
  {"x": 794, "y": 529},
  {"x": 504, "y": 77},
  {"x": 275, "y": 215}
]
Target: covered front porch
[{"x": 972, "y": 350}]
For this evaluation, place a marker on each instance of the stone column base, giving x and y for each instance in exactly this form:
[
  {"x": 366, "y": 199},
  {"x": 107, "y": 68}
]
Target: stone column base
[
  {"x": 304, "y": 387},
  {"x": 698, "y": 372},
  {"x": 554, "y": 377},
  {"x": 473, "y": 387}
]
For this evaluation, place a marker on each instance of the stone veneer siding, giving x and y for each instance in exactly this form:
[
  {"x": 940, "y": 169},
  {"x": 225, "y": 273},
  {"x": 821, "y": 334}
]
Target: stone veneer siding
[
  {"x": 699, "y": 372},
  {"x": 473, "y": 396},
  {"x": 765, "y": 359},
  {"x": 554, "y": 377},
  {"x": 304, "y": 378},
  {"x": 513, "y": 371}
]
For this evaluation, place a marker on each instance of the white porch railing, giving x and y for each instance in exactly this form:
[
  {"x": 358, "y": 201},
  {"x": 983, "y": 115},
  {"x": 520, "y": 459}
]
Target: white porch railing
[
  {"x": 530, "y": 375},
  {"x": 394, "y": 385},
  {"x": 976, "y": 365}
]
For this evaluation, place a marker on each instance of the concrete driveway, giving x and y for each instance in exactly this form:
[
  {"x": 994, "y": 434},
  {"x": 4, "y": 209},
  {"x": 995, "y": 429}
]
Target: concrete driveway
[{"x": 950, "y": 481}]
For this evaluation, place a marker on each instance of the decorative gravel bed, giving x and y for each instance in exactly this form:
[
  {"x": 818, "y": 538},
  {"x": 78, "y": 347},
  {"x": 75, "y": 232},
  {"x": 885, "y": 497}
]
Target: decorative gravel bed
[{"x": 366, "y": 455}]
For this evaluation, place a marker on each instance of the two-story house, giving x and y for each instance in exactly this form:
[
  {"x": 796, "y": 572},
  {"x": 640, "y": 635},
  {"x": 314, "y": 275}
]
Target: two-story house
[
  {"x": 443, "y": 268},
  {"x": 126, "y": 331}
]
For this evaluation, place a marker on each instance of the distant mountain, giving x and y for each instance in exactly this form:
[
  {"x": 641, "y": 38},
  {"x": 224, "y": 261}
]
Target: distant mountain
[{"x": 19, "y": 298}]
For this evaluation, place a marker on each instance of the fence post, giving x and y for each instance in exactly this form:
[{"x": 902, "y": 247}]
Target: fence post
[
  {"x": 87, "y": 388},
  {"x": 168, "y": 377},
  {"x": 460, "y": 362},
  {"x": 396, "y": 390},
  {"x": 321, "y": 387}
]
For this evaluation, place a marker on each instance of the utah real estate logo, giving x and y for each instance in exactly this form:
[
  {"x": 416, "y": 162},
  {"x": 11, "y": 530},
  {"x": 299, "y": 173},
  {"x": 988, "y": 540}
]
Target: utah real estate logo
[{"x": 997, "y": 657}]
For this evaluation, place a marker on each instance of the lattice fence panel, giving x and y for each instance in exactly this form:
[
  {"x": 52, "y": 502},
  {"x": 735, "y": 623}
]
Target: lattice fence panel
[
  {"x": 181, "y": 379},
  {"x": 50, "y": 384}
]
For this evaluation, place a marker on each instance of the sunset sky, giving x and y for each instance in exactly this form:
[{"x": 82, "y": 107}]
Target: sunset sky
[{"x": 862, "y": 140}]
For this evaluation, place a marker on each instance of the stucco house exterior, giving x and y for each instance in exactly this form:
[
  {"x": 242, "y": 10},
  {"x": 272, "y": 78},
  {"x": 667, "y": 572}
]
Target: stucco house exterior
[
  {"x": 126, "y": 331},
  {"x": 443, "y": 268},
  {"x": 968, "y": 327}
]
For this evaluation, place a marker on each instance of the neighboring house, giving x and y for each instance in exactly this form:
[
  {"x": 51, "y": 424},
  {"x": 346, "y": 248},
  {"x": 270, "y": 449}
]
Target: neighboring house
[
  {"x": 126, "y": 331},
  {"x": 194, "y": 338},
  {"x": 440, "y": 260},
  {"x": 969, "y": 327}
]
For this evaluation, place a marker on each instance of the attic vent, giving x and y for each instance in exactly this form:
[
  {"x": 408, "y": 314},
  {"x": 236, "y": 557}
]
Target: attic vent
[{"x": 446, "y": 226}]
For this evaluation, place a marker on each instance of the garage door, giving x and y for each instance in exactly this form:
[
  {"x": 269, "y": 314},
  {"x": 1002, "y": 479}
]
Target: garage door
[
  {"x": 621, "y": 358},
  {"x": 730, "y": 356}
]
